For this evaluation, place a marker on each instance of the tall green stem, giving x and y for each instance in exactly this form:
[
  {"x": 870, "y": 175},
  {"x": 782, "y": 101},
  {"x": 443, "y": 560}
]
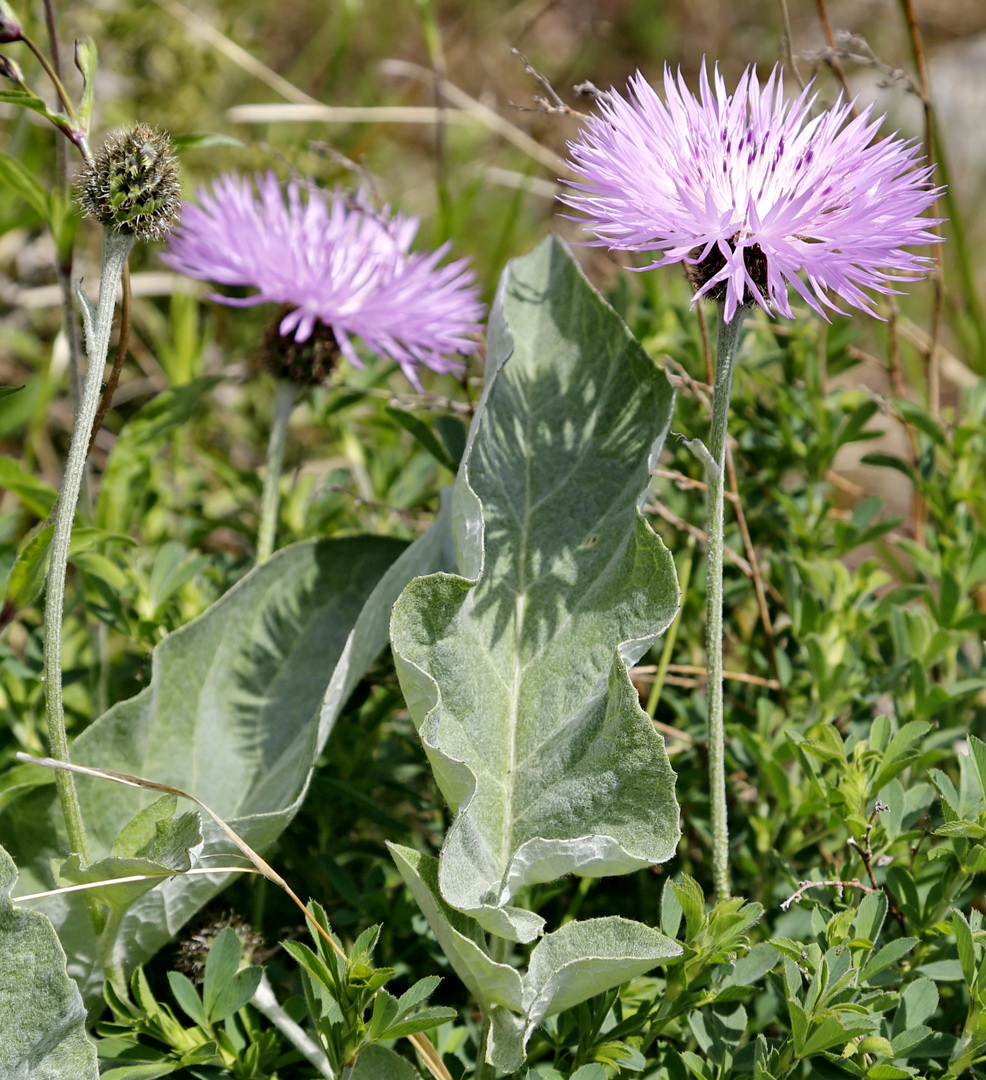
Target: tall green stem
[
  {"x": 715, "y": 468},
  {"x": 284, "y": 399},
  {"x": 98, "y": 324}
]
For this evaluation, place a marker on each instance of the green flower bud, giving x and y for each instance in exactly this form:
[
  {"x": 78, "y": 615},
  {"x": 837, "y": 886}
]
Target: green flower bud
[
  {"x": 133, "y": 183},
  {"x": 10, "y": 69}
]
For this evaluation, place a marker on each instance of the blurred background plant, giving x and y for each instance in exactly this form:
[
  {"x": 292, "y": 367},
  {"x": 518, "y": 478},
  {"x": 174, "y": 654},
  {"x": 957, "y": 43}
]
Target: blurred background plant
[{"x": 855, "y": 584}]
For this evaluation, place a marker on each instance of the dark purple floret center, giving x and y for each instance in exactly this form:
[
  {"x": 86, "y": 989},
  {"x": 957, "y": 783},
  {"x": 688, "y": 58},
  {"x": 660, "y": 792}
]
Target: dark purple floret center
[
  {"x": 700, "y": 273},
  {"x": 308, "y": 362}
]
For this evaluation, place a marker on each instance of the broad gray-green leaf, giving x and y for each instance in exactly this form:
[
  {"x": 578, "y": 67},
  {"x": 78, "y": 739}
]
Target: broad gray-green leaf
[
  {"x": 583, "y": 959},
  {"x": 461, "y": 938},
  {"x": 570, "y": 966},
  {"x": 235, "y": 715},
  {"x": 42, "y": 1018},
  {"x": 515, "y": 672}
]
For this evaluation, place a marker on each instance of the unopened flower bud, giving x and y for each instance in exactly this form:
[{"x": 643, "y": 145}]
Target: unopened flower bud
[
  {"x": 10, "y": 69},
  {"x": 133, "y": 183},
  {"x": 10, "y": 27}
]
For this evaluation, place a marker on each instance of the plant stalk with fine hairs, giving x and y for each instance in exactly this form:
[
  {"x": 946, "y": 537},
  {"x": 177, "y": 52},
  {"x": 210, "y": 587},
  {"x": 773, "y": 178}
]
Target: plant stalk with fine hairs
[
  {"x": 285, "y": 396},
  {"x": 715, "y": 468},
  {"x": 98, "y": 323}
]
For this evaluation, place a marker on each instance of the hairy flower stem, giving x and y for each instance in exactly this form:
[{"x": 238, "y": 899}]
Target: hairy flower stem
[
  {"x": 715, "y": 469},
  {"x": 284, "y": 399},
  {"x": 98, "y": 324}
]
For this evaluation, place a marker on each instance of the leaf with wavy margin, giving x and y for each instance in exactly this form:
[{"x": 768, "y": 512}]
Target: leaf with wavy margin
[{"x": 515, "y": 672}]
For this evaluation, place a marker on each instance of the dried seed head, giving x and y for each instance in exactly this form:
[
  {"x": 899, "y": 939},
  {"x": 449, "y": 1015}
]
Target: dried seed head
[
  {"x": 193, "y": 951},
  {"x": 133, "y": 183},
  {"x": 308, "y": 362}
]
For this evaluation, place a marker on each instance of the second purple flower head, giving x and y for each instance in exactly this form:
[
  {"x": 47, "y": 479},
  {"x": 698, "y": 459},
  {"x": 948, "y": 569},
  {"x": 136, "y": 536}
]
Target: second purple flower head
[{"x": 331, "y": 258}]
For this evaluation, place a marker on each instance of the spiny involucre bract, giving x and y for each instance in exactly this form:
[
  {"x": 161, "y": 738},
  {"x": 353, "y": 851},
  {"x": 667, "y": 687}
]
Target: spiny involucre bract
[{"x": 133, "y": 183}]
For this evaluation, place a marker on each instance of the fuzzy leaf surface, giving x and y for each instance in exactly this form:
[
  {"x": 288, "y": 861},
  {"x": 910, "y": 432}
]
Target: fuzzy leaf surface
[
  {"x": 42, "y": 1018},
  {"x": 239, "y": 705},
  {"x": 515, "y": 670}
]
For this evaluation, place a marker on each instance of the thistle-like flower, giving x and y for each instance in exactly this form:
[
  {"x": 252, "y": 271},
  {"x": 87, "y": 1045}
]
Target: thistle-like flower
[
  {"x": 333, "y": 260},
  {"x": 750, "y": 191},
  {"x": 133, "y": 183}
]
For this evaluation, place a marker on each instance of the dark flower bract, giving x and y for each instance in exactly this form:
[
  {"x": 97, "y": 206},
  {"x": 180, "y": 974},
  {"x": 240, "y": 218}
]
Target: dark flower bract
[
  {"x": 752, "y": 191},
  {"x": 331, "y": 258}
]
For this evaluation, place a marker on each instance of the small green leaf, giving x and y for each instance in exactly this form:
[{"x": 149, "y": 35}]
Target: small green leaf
[
  {"x": 7, "y": 391},
  {"x": 379, "y": 1063},
  {"x": 890, "y": 954},
  {"x": 27, "y": 575},
  {"x": 203, "y": 141},
  {"x": 966, "y": 946},
  {"x": 425, "y": 1019},
  {"x": 188, "y": 998},
  {"x": 220, "y": 967},
  {"x": 34, "y": 493},
  {"x": 424, "y": 435},
  {"x": 235, "y": 993},
  {"x": 18, "y": 178},
  {"x": 416, "y": 994},
  {"x": 385, "y": 1012}
]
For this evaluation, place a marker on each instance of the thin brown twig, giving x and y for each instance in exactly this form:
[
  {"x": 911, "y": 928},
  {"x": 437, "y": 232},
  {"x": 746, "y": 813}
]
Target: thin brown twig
[
  {"x": 865, "y": 851},
  {"x": 831, "y": 883},
  {"x": 932, "y": 359},
  {"x": 786, "y": 44},
  {"x": 643, "y": 671},
  {"x": 121, "y": 354},
  {"x": 672, "y": 518},
  {"x": 687, "y": 483},
  {"x": 553, "y": 103},
  {"x": 758, "y": 585},
  {"x": 918, "y": 509},
  {"x": 832, "y": 58}
]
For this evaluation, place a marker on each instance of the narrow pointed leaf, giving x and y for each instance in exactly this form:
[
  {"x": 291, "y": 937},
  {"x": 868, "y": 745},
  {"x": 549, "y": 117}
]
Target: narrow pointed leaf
[{"x": 515, "y": 672}]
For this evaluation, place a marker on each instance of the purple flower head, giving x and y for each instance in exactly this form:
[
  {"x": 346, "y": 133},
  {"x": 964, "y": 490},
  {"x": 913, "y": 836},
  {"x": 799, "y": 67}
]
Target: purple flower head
[
  {"x": 749, "y": 190},
  {"x": 332, "y": 259}
]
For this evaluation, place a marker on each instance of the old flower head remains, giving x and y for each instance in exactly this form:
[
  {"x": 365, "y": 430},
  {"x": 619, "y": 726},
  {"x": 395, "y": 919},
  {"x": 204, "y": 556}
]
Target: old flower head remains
[
  {"x": 333, "y": 261},
  {"x": 750, "y": 191}
]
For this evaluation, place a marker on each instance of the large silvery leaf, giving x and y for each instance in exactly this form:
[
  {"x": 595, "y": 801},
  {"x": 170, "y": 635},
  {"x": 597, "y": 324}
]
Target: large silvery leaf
[
  {"x": 567, "y": 967},
  {"x": 516, "y": 671},
  {"x": 237, "y": 710},
  {"x": 42, "y": 1018}
]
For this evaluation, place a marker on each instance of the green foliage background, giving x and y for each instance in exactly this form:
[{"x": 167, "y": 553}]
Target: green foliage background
[{"x": 862, "y": 505}]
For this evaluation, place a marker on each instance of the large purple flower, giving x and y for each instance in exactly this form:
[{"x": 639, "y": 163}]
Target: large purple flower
[
  {"x": 332, "y": 259},
  {"x": 750, "y": 191}
]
